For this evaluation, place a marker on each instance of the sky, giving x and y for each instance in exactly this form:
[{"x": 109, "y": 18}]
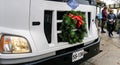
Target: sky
[{"x": 110, "y": 1}]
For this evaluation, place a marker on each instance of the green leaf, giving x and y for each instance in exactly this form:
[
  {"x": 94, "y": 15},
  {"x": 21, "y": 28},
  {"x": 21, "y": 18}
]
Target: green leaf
[
  {"x": 72, "y": 33},
  {"x": 69, "y": 24}
]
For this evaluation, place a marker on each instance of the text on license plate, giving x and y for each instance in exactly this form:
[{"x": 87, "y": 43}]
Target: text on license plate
[{"x": 77, "y": 55}]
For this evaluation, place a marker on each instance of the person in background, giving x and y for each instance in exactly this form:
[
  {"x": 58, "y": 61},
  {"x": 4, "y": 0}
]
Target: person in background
[
  {"x": 118, "y": 21},
  {"x": 98, "y": 20},
  {"x": 99, "y": 17},
  {"x": 104, "y": 19},
  {"x": 111, "y": 23}
]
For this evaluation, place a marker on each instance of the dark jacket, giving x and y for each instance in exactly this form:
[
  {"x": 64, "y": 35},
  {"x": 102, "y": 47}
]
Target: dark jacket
[{"x": 111, "y": 18}]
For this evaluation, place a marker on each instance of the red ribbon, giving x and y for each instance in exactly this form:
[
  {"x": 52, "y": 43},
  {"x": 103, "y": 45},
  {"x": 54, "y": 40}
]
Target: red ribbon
[{"x": 78, "y": 18}]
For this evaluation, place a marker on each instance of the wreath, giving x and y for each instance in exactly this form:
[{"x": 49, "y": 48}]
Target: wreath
[{"x": 73, "y": 27}]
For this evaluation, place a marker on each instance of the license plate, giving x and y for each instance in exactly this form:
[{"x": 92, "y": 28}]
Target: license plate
[{"x": 77, "y": 55}]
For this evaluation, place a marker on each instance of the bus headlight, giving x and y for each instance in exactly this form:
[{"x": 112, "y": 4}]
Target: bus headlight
[{"x": 14, "y": 44}]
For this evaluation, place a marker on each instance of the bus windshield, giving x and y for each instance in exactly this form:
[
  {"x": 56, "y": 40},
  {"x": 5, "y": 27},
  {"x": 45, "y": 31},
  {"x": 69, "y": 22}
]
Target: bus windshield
[{"x": 86, "y": 2}]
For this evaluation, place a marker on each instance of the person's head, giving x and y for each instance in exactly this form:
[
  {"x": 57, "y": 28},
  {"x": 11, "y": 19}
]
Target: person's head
[
  {"x": 111, "y": 11},
  {"x": 105, "y": 8}
]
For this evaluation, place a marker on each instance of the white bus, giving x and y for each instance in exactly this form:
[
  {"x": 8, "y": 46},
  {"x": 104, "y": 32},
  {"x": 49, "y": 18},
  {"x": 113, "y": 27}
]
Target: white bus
[{"x": 29, "y": 33}]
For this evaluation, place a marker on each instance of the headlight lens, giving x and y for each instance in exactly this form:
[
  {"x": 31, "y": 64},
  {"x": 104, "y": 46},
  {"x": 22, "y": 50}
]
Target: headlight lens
[{"x": 14, "y": 44}]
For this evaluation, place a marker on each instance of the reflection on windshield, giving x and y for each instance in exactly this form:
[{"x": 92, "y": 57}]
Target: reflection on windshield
[{"x": 87, "y": 2}]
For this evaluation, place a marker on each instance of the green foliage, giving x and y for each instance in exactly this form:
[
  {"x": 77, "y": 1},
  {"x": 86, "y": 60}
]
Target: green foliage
[{"x": 70, "y": 33}]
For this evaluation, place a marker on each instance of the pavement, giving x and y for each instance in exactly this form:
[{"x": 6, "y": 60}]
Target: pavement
[{"x": 110, "y": 54}]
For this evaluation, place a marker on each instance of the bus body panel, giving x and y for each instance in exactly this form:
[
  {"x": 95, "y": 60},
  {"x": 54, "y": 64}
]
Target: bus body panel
[
  {"x": 17, "y": 18},
  {"x": 38, "y": 8},
  {"x": 14, "y": 14}
]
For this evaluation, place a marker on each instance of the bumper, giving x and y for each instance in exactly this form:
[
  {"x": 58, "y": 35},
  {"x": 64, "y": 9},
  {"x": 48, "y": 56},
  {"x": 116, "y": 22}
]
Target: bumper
[{"x": 64, "y": 57}]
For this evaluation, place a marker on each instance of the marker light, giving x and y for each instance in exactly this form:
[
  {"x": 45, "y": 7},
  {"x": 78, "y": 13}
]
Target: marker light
[{"x": 14, "y": 44}]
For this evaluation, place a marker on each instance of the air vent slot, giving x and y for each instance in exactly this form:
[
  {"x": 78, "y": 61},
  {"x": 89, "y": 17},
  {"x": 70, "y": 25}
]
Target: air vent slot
[
  {"x": 60, "y": 14},
  {"x": 89, "y": 20},
  {"x": 48, "y": 24}
]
